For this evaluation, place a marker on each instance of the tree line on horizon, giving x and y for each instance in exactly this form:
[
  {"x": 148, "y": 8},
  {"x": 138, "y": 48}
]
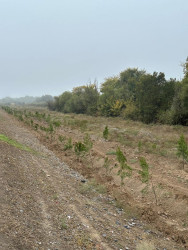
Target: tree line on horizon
[
  {"x": 133, "y": 94},
  {"x": 27, "y": 100}
]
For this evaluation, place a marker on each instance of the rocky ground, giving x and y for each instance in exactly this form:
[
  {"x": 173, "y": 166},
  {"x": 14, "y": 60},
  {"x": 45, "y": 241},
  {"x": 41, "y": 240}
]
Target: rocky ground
[{"x": 47, "y": 205}]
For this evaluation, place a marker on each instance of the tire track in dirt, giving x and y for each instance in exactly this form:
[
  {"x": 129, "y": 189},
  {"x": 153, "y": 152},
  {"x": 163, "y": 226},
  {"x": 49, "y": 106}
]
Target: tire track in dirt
[
  {"x": 94, "y": 234},
  {"x": 55, "y": 177}
]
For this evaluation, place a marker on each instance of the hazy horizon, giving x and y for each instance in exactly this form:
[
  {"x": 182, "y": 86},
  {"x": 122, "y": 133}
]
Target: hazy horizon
[{"x": 50, "y": 47}]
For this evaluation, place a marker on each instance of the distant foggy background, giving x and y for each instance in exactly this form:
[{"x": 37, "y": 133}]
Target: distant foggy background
[{"x": 47, "y": 47}]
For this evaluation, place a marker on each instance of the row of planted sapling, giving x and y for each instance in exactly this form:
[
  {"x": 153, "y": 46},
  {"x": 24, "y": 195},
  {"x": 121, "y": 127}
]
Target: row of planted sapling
[
  {"x": 83, "y": 149},
  {"x": 53, "y": 124},
  {"x": 36, "y": 120},
  {"x": 124, "y": 170}
]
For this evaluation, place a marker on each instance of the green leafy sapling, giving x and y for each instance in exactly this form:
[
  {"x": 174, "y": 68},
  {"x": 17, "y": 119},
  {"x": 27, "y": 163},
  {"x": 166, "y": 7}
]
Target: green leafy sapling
[
  {"x": 88, "y": 142},
  {"x": 61, "y": 138},
  {"x": 106, "y": 133},
  {"x": 57, "y": 124},
  {"x": 145, "y": 170},
  {"x": 51, "y": 130},
  {"x": 182, "y": 149},
  {"x": 48, "y": 118},
  {"x": 146, "y": 177},
  {"x": 80, "y": 148},
  {"x": 36, "y": 126},
  {"x": 124, "y": 169}
]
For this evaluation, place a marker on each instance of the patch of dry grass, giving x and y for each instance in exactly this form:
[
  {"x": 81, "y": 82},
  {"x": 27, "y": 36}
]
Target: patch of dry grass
[{"x": 145, "y": 246}]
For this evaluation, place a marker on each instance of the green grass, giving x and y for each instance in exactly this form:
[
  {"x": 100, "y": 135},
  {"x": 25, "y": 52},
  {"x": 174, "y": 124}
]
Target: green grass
[
  {"x": 133, "y": 161},
  {"x": 63, "y": 224},
  {"x": 111, "y": 153},
  {"x": 16, "y": 144}
]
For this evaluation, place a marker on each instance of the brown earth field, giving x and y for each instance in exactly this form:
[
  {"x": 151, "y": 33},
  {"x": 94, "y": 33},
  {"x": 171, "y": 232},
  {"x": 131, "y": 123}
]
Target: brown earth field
[{"x": 54, "y": 197}]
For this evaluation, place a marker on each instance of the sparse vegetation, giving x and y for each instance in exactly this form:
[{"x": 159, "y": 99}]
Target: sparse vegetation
[
  {"x": 146, "y": 177},
  {"x": 63, "y": 224},
  {"x": 84, "y": 241},
  {"x": 139, "y": 146},
  {"x": 134, "y": 138},
  {"x": 145, "y": 246},
  {"x": 61, "y": 138},
  {"x": 107, "y": 165},
  {"x": 92, "y": 186},
  {"x": 68, "y": 144},
  {"x": 124, "y": 168},
  {"x": 16, "y": 144},
  {"x": 145, "y": 170},
  {"x": 182, "y": 149},
  {"x": 111, "y": 153}
]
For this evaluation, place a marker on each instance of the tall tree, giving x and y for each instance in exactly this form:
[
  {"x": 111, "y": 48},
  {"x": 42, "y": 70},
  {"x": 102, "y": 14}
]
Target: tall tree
[
  {"x": 179, "y": 108},
  {"x": 148, "y": 96}
]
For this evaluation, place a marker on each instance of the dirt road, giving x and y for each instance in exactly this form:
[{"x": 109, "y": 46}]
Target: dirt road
[{"x": 46, "y": 205}]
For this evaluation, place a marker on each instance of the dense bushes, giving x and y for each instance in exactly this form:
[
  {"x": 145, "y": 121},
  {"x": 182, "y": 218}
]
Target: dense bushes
[
  {"x": 82, "y": 100},
  {"x": 134, "y": 94}
]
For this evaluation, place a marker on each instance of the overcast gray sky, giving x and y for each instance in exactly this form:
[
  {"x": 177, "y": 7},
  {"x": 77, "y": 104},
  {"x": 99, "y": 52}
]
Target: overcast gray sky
[{"x": 50, "y": 46}]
